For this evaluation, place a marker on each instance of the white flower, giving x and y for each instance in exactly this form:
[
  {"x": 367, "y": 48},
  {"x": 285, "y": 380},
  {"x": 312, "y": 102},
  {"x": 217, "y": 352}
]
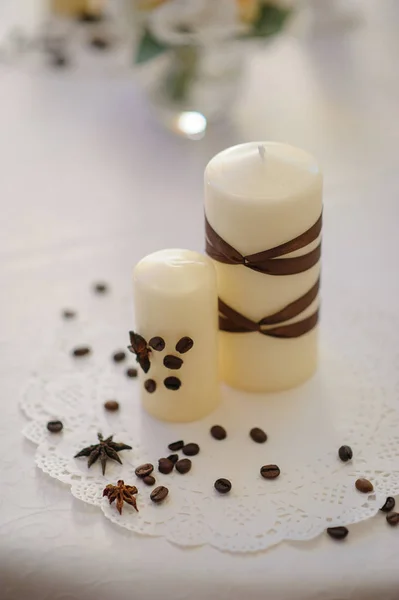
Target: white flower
[{"x": 180, "y": 22}]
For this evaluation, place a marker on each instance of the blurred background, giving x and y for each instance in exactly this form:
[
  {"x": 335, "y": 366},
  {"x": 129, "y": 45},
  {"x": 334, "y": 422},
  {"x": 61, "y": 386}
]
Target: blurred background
[
  {"x": 111, "y": 109},
  {"x": 190, "y": 58}
]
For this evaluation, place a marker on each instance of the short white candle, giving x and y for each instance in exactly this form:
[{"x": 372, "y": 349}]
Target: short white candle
[
  {"x": 176, "y": 297},
  {"x": 258, "y": 196}
]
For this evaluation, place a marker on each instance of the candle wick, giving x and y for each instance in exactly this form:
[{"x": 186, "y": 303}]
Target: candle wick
[{"x": 262, "y": 152}]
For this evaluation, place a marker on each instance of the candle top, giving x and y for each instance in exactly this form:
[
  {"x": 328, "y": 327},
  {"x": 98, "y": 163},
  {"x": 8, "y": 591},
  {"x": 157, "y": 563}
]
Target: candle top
[
  {"x": 263, "y": 170},
  {"x": 175, "y": 272}
]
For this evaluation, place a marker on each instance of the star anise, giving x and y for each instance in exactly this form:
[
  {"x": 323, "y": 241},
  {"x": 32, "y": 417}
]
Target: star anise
[
  {"x": 140, "y": 348},
  {"x": 104, "y": 450},
  {"x": 121, "y": 493}
]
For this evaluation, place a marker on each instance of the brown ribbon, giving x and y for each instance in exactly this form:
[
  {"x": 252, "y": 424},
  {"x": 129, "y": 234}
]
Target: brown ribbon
[
  {"x": 234, "y": 322},
  {"x": 268, "y": 261}
]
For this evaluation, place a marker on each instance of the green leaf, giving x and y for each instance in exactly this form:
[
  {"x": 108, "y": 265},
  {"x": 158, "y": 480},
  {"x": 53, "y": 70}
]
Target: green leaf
[
  {"x": 148, "y": 48},
  {"x": 270, "y": 21}
]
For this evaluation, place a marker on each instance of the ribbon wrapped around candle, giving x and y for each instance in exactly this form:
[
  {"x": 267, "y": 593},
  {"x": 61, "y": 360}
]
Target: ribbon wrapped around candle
[
  {"x": 268, "y": 261},
  {"x": 235, "y": 322}
]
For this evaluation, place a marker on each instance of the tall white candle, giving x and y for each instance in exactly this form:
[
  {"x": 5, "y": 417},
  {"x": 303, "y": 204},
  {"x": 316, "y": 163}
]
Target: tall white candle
[
  {"x": 257, "y": 197},
  {"x": 176, "y": 313}
]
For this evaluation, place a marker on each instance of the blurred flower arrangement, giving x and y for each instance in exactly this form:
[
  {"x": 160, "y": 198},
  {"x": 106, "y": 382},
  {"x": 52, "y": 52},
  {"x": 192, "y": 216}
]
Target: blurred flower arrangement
[
  {"x": 200, "y": 46},
  {"x": 189, "y": 54}
]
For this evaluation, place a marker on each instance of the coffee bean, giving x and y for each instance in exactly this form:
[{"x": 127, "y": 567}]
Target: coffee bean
[
  {"x": 86, "y": 16},
  {"x": 58, "y": 59},
  {"x": 99, "y": 42},
  {"x": 157, "y": 343},
  {"x": 172, "y": 383},
  {"x": 218, "y": 432},
  {"x": 100, "y": 288},
  {"x": 364, "y": 485},
  {"x": 345, "y": 453},
  {"x": 184, "y": 345},
  {"x": 119, "y": 356},
  {"x": 159, "y": 494},
  {"x": 176, "y": 446},
  {"x": 173, "y": 458},
  {"x": 149, "y": 480},
  {"x": 144, "y": 470},
  {"x": 337, "y": 533},
  {"x": 191, "y": 449},
  {"x": 150, "y": 386},
  {"x": 389, "y": 505},
  {"x": 270, "y": 471},
  {"x": 55, "y": 426},
  {"x": 81, "y": 351},
  {"x": 183, "y": 465},
  {"x": 172, "y": 362},
  {"x": 393, "y": 519},
  {"x": 68, "y": 314},
  {"x": 111, "y": 405},
  {"x": 258, "y": 435},
  {"x": 165, "y": 466},
  {"x": 223, "y": 486},
  {"x": 131, "y": 373}
]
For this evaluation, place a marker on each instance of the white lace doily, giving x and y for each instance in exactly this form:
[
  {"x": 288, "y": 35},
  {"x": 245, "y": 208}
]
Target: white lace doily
[{"x": 352, "y": 400}]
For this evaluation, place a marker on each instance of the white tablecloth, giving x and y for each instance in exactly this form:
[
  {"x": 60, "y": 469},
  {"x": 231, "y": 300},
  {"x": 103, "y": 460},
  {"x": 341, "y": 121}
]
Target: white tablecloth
[{"x": 88, "y": 184}]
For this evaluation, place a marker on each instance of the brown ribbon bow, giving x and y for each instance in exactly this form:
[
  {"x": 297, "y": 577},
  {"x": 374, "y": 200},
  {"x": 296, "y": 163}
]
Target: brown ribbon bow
[
  {"x": 234, "y": 322},
  {"x": 268, "y": 261}
]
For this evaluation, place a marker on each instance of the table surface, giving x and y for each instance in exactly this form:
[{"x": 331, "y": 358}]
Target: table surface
[{"x": 86, "y": 173}]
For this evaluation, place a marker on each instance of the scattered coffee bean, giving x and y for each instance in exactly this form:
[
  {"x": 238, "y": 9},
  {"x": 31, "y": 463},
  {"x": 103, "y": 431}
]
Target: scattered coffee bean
[
  {"x": 58, "y": 59},
  {"x": 159, "y": 494},
  {"x": 165, "y": 466},
  {"x": 131, "y": 372},
  {"x": 337, "y": 533},
  {"x": 99, "y": 42},
  {"x": 176, "y": 446},
  {"x": 389, "y": 505},
  {"x": 173, "y": 458},
  {"x": 150, "y": 386},
  {"x": 172, "y": 383},
  {"x": 183, "y": 465},
  {"x": 157, "y": 343},
  {"x": 111, "y": 405},
  {"x": 86, "y": 16},
  {"x": 184, "y": 345},
  {"x": 68, "y": 314},
  {"x": 191, "y": 449},
  {"x": 55, "y": 426},
  {"x": 258, "y": 435},
  {"x": 393, "y": 519},
  {"x": 81, "y": 351},
  {"x": 172, "y": 362},
  {"x": 270, "y": 471},
  {"x": 149, "y": 480},
  {"x": 223, "y": 486},
  {"x": 144, "y": 470},
  {"x": 100, "y": 288},
  {"x": 364, "y": 485},
  {"x": 119, "y": 356},
  {"x": 218, "y": 432},
  {"x": 184, "y": 28},
  {"x": 345, "y": 453}
]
